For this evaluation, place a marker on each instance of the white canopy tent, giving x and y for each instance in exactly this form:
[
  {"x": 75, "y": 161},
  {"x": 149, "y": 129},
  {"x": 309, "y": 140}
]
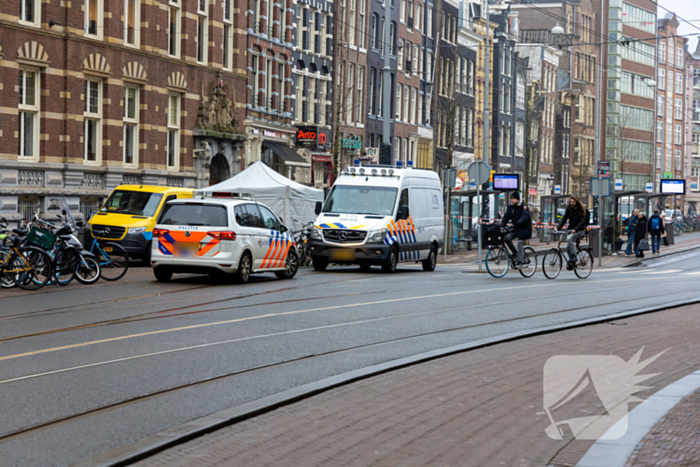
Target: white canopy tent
[{"x": 293, "y": 202}]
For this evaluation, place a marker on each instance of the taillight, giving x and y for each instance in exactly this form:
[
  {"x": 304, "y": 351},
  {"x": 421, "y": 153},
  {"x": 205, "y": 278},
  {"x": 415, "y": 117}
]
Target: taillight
[
  {"x": 224, "y": 235},
  {"x": 160, "y": 232}
]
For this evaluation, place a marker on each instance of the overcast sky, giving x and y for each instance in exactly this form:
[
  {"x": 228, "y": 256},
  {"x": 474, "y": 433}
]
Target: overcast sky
[{"x": 688, "y": 10}]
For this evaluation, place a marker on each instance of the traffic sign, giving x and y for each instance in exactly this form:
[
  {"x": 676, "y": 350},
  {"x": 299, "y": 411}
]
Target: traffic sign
[
  {"x": 479, "y": 172},
  {"x": 459, "y": 183},
  {"x": 450, "y": 178},
  {"x": 618, "y": 184},
  {"x": 650, "y": 187},
  {"x": 557, "y": 189},
  {"x": 600, "y": 186}
]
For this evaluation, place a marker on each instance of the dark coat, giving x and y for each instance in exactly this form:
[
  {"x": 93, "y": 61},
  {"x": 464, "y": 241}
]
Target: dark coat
[
  {"x": 519, "y": 215},
  {"x": 577, "y": 221},
  {"x": 641, "y": 231},
  {"x": 662, "y": 227}
]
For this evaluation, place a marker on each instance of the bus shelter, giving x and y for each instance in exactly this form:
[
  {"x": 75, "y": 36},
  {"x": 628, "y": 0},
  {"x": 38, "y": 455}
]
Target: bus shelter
[
  {"x": 616, "y": 208},
  {"x": 464, "y": 208},
  {"x": 552, "y": 209}
]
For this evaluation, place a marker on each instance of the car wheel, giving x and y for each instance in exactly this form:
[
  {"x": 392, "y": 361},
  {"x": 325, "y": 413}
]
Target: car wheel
[
  {"x": 320, "y": 263},
  {"x": 163, "y": 274},
  {"x": 292, "y": 266},
  {"x": 392, "y": 260},
  {"x": 430, "y": 262},
  {"x": 242, "y": 274}
]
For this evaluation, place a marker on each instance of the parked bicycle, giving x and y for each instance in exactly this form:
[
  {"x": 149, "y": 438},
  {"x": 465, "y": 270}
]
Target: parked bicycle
[
  {"x": 554, "y": 259},
  {"x": 498, "y": 259},
  {"x": 27, "y": 266},
  {"x": 301, "y": 240}
]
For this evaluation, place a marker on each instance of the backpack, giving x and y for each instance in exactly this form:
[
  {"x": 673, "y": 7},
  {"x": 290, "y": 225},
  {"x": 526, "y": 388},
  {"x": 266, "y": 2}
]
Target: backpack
[{"x": 655, "y": 223}]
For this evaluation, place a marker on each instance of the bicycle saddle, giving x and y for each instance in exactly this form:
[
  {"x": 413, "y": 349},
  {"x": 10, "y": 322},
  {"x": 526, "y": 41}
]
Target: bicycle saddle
[{"x": 21, "y": 232}]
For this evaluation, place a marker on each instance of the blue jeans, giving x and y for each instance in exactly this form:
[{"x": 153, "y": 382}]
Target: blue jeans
[
  {"x": 655, "y": 242},
  {"x": 630, "y": 242}
]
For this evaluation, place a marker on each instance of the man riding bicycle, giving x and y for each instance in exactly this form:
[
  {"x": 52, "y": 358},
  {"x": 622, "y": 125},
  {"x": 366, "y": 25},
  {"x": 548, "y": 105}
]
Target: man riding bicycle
[
  {"x": 577, "y": 216},
  {"x": 519, "y": 215}
]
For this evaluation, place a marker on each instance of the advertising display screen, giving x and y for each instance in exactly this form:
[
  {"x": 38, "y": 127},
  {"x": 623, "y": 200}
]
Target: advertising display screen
[
  {"x": 506, "y": 182},
  {"x": 673, "y": 187}
]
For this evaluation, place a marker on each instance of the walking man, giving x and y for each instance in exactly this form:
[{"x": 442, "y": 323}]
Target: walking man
[
  {"x": 656, "y": 229},
  {"x": 519, "y": 215},
  {"x": 631, "y": 229}
]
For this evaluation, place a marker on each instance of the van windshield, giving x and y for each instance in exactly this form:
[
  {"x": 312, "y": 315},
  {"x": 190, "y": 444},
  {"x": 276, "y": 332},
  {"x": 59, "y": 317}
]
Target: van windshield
[
  {"x": 137, "y": 203},
  {"x": 372, "y": 200}
]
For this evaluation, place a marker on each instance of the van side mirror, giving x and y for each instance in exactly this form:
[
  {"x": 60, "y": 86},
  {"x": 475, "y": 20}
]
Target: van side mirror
[
  {"x": 283, "y": 228},
  {"x": 403, "y": 212},
  {"x": 318, "y": 207}
]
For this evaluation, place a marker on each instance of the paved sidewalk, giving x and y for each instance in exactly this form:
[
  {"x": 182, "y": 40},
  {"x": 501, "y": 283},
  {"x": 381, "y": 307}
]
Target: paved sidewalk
[{"x": 478, "y": 408}]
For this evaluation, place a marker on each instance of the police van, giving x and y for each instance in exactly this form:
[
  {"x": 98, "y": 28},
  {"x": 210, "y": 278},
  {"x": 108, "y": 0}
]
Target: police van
[{"x": 380, "y": 215}]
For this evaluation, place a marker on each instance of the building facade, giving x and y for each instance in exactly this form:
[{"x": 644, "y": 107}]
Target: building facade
[{"x": 106, "y": 93}]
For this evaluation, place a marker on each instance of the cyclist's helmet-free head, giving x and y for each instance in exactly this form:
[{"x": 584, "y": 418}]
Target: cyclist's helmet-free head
[{"x": 515, "y": 195}]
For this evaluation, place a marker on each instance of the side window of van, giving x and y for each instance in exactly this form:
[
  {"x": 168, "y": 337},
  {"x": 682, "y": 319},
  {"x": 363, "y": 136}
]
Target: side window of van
[{"x": 403, "y": 201}]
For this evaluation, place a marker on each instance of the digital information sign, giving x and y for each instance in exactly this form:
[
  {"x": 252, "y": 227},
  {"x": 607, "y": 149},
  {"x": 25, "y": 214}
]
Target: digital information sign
[
  {"x": 672, "y": 187},
  {"x": 506, "y": 182}
]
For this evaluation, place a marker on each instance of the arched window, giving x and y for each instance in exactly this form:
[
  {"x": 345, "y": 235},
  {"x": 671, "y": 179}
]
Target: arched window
[{"x": 374, "y": 31}]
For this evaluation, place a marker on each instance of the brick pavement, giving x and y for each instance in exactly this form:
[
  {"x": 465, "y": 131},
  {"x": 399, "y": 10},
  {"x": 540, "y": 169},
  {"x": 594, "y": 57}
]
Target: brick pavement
[{"x": 478, "y": 408}]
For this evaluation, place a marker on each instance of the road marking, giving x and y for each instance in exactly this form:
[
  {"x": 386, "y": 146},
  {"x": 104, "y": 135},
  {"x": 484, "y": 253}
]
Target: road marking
[
  {"x": 696, "y": 273},
  {"x": 287, "y": 313},
  {"x": 666, "y": 271}
]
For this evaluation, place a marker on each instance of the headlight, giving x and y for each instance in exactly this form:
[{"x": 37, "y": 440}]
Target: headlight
[
  {"x": 137, "y": 229},
  {"x": 377, "y": 235},
  {"x": 316, "y": 233}
]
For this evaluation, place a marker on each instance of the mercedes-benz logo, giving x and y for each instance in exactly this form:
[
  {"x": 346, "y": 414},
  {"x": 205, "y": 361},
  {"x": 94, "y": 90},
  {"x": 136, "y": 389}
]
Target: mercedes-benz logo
[
  {"x": 342, "y": 236},
  {"x": 107, "y": 231},
  {"x": 187, "y": 234}
]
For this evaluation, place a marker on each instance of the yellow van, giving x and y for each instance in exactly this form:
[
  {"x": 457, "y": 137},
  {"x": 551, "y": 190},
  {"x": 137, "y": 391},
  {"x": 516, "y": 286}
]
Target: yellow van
[{"x": 130, "y": 213}]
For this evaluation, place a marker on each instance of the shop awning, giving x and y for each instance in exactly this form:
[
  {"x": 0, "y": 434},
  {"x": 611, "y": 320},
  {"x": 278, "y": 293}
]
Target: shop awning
[{"x": 284, "y": 152}]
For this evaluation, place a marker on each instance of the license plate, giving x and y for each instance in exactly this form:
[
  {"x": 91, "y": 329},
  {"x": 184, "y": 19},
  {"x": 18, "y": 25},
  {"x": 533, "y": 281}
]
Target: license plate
[
  {"x": 342, "y": 254},
  {"x": 188, "y": 246},
  {"x": 108, "y": 249}
]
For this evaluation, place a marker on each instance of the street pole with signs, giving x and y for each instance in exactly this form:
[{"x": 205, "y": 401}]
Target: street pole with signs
[
  {"x": 480, "y": 172},
  {"x": 600, "y": 187}
]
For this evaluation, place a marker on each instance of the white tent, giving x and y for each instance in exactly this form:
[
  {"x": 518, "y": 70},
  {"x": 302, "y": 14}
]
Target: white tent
[{"x": 293, "y": 202}]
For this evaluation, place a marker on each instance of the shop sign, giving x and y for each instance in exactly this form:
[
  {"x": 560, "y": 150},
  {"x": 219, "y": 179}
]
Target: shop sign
[
  {"x": 268, "y": 133},
  {"x": 353, "y": 143},
  {"x": 310, "y": 136},
  {"x": 603, "y": 168},
  {"x": 532, "y": 191}
]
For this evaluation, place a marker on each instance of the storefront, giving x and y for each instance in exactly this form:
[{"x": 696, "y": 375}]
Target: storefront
[
  {"x": 314, "y": 143},
  {"x": 275, "y": 147}
]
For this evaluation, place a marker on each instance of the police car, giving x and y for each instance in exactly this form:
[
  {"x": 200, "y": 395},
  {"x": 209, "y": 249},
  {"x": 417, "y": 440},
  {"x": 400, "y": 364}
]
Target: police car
[{"x": 218, "y": 236}]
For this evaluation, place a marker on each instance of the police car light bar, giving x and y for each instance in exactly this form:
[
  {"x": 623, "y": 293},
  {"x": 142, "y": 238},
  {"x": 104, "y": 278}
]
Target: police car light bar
[{"x": 398, "y": 164}]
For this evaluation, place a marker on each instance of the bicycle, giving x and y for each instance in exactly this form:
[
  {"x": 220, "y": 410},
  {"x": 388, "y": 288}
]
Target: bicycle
[
  {"x": 112, "y": 258},
  {"x": 29, "y": 267},
  {"x": 499, "y": 261},
  {"x": 554, "y": 259},
  {"x": 301, "y": 240}
]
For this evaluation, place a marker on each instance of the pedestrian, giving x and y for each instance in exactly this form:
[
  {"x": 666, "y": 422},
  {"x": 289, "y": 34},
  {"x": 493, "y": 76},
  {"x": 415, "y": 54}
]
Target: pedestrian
[
  {"x": 631, "y": 229},
  {"x": 577, "y": 216},
  {"x": 663, "y": 222},
  {"x": 519, "y": 214},
  {"x": 656, "y": 228},
  {"x": 613, "y": 232},
  {"x": 640, "y": 234}
]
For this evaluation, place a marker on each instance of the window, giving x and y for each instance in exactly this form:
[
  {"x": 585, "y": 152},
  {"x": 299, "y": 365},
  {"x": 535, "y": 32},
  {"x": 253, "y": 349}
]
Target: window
[
  {"x": 634, "y": 117},
  {"x": 399, "y": 59},
  {"x": 361, "y": 42},
  {"x": 280, "y": 87},
  {"x": 397, "y": 148},
  {"x": 679, "y": 58},
  {"x": 679, "y": 109},
  {"x": 414, "y": 94},
  {"x": 360, "y": 100},
  {"x": 416, "y": 56},
  {"x": 348, "y": 94},
  {"x": 227, "y": 58},
  {"x": 638, "y": 18},
  {"x": 174, "y": 28},
  {"x": 30, "y": 12},
  {"x": 202, "y": 31},
  {"x": 351, "y": 23},
  {"x": 416, "y": 19},
  {"x": 659, "y": 131},
  {"x": 93, "y": 18},
  {"x": 662, "y": 52},
  {"x": 132, "y": 13},
  {"x": 404, "y": 148},
  {"x": 374, "y": 31},
  {"x": 131, "y": 125},
  {"x": 92, "y": 132},
  {"x": 370, "y": 86},
  {"x": 660, "y": 106},
  {"x": 29, "y": 113},
  {"x": 679, "y": 83},
  {"x": 254, "y": 81},
  {"x": 429, "y": 22},
  {"x": 677, "y": 134},
  {"x": 403, "y": 11},
  {"x": 662, "y": 79},
  {"x": 173, "y": 161},
  {"x": 398, "y": 101},
  {"x": 406, "y": 108},
  {"x": 634, "y": 84},
  {"x": 639, "y": 52},
  {"x": 380, "y": 97}
]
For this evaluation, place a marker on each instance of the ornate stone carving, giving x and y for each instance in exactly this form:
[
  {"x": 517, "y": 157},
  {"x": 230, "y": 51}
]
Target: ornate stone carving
[
  {"x": 92, "y": 181},
  {"x": 175, "y": 182},
  {"x": 218, "y": 113},
  {"x": 131, "y": 180},
  {"x": 30, "y": 178}
]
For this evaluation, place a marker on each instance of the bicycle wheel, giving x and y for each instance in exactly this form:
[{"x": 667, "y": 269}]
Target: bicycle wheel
[
  {"x": 87, "y": 270},
  {"x": 114, "y": 261},
  {"x": 552, "y": 263},
  {"x": 6, "y": 281},
  {"x": 65, "y": 267},
  {"x": 584, "y": 264},
  {"x": 529, "y": 266},
  {"x": 497, "y": 262},
  {"x": 33, "y": 268}
]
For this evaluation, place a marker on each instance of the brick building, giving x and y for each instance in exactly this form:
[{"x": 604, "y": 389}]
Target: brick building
[
  {"x": 95, "y": 94},
  {"x": 692, "y": 134}
]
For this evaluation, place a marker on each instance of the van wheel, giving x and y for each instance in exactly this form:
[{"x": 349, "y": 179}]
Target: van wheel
[
  {"x": 392, "y": 260},
  {"x": 292, "y": 266},
  {"x": 320, "y": 263},
  {"x": 163, "y": 274},
  {"x": 242, "y": 275},
  {"x": 430, "y": 262}
]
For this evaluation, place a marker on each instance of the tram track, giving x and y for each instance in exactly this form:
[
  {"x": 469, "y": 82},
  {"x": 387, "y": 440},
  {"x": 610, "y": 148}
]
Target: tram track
[{"x": 6, "y": 437}]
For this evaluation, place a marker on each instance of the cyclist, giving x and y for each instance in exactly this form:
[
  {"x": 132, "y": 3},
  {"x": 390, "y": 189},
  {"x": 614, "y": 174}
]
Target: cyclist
[
  {"x": 577, "y": 216},
  {"x": 519, "y": 214}
]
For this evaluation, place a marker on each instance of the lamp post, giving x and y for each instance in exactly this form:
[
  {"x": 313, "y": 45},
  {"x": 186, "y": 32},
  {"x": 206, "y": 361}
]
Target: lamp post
[{"x": 652, "y": 84}]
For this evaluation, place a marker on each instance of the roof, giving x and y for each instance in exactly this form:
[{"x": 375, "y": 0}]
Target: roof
[{"x": 215, "y": 201}]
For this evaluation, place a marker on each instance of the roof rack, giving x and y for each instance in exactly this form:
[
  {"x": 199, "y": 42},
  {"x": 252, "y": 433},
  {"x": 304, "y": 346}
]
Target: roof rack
[{"x": 222, "y": 195}]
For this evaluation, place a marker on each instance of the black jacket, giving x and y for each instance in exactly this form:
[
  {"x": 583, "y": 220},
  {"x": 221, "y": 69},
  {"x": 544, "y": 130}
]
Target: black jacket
[
  {"x": 519, "y": 215},
  {"x": 641, "y": 229},
  {"x": 577, "y": 221}
]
